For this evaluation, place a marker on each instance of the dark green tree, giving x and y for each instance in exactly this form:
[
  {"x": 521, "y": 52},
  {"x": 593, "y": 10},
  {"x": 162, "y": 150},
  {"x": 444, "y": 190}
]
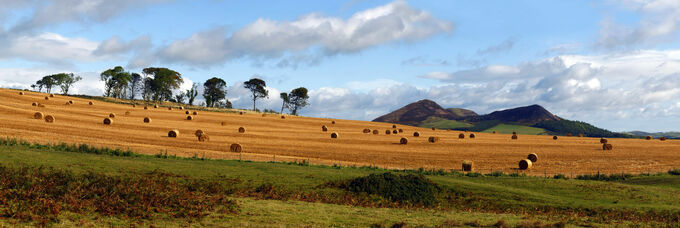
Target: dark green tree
[
  {"x": 164, "y": 81},
  {"x": 115, "y": 80},
  {"x": 65, "y": 81},
  {"x": 297, "y": 99},
  {"x": 286, "y": 100},
  {"x": 214, "y": 90},
  {"x": 136, "y": 81},
  {"x": 192, "y": 93},
  {"x": 46, "y": 82},
  {"x": 257, "y": 87}
]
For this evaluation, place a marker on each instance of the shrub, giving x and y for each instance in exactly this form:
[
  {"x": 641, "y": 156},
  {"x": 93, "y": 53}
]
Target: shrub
[
  {"x": 674, "y": 172},
  {"x": 406, "y": 189}
]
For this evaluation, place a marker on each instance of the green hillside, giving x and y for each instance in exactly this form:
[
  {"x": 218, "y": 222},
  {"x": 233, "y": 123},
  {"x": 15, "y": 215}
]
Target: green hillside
[
  {"x": 509, "y": 128},
  {"x": 441, "y": 123},
  {"x": 564, "y": 127}
]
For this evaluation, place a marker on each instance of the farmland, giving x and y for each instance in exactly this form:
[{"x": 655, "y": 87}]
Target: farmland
[{"x": 271, "y": 138}]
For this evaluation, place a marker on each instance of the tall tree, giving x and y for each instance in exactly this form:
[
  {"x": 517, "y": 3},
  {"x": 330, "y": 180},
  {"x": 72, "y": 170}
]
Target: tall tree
[
  {"x": 214, "y": 90},
  {"x": 257, "y": 87},
  {"x": 164, "y": 81},
  {"x": 147, "y": 92},
  {"x": 297, "y": 99},
  {"x": 46, "y": 82},
  {"x": 179, "y": 98},
  {"x": 135, "y": 84},
  {"x": 65, "y": 81},
  {"x": 113, "y": 79},
  {"x": 286, "y": 100},
  {"x": 192, "y": 93}
]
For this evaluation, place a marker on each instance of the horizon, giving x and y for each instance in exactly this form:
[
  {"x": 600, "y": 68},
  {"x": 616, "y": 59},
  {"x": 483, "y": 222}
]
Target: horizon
[{"x": 613, "y": 63}]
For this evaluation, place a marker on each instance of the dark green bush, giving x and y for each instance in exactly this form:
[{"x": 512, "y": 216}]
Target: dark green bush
[
  {"x": 406, "y": 189},
  {"x": 674, "y": 172}
]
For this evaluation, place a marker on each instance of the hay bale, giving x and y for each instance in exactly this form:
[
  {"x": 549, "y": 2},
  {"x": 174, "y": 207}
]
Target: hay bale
[
  {"x": 199, "y": 132},
  {"x": 50, "y": 119},
  {"x": 187, "y": 112},
  {"x": 70, "y": 102},
  {"x": 416, "y": 134},
  {"x": 433, "y": 128},
  {"x": 467, "y": 165},
  {"x": 264, "y": 115},
  {"x": 324, "y": 128},
  {"x": 514, "y": 132},
  {"x": 173, "y": 133},
  {"x": 366, "y": 130},
  {"x": 47, "y": 98},
  {"x": 127, "y": 113},
  {"x": 134, "y": 105},
  {"x": 194, "y": 113},
  {"x": 554, "y": 137},
  {"x": 461, "y": 136},
  {"x": 394, "y": 126},
  {"x": 108, "y": 121},
  {"x": 603, "y": 140},
  {"x": 533, "y": 157},
  {"x": 514, "y": 137},
  {"x": 112, "y": 115},
  {"x": 401, "y": 130},
  {"x": 663, "y": 138},
  {"x": 51, "y": 95},
  {"x": 21, "y": 93},
  {"x": 580, "y": 135},
  {"x": 223, "y": 123},
  {"x": 190, "y": 118},
  {"x": 375, "y": 132},
  {"x": 203, "y": 138},
  {"x": 235, "y": 147},
  {"x": 38, "y": 115},
  {"x": 334, "y": 135},
  {"x": 170, "y": 108},
  {"x": 92, "y": 103},
  {"x": 387, "y": 132},
  {"x": 181, "y": 108},
  {"x": 67, "y": 103},
  {"x": 472, "y": 136},
  {"x": 155, "y": 106},
  {"x": 283, "y": 117},
  {"x": 433, "y": 139},
  {"x": 495, "y": 132},
  {"x": 395, "y": 132},
  {"x": 241, "y": 130},
  {"x": 147, "y": 120},
  {"x": 34, "y": 104},
  {"x": 606, "y": 146},
  {"x": 568, "y": 134},
  {"x": 649, "y": 137},
  {"x": 240, "y": 113},
  {"x": 41, "y": 105},
  {"x": 145, "y": 107},
  {"x": 403, "y": 141},
  {"x": 333, "y": 122},
  {"x": 525, "y": 164}
]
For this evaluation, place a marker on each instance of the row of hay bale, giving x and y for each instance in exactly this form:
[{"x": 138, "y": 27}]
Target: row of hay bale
[
  {"x": 524, "y": 164},
  {"x": 203, "y": 137},
  {"x": 47, "y": 118}
]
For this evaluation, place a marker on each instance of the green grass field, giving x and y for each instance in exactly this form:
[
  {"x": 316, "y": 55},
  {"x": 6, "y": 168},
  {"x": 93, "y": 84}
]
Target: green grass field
[
  {"x": 509, "y": 128},
  {"x": 441, "y": 123},
  {"x": 297, "y": 195}
]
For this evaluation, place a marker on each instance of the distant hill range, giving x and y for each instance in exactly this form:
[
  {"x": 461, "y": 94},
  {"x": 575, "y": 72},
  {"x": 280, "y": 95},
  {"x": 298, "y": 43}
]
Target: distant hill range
[
  {"x": 670, "y": 134},
  {"x": 533, "y": 119}
]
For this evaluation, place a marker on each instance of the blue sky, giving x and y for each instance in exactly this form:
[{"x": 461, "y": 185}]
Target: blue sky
[{"x": 613, "y": 63}]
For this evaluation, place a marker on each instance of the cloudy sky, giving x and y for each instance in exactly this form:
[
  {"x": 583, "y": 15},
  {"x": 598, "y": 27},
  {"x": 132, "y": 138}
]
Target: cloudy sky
[{"x": 612, "y": 63}]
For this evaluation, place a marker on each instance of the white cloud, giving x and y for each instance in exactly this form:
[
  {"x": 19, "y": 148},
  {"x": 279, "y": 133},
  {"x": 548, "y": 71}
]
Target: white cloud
[
  {"x": 308, "y": 38},
  {"x": 49, "y": 47},
  {"x": 658, "y": 23}
]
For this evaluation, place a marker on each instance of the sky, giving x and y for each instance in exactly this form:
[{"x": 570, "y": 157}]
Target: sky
[{"x": 611, "y": 63}]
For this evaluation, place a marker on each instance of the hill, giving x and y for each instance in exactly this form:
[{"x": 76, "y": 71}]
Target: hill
[
  {"x": 417, "y": 112},
  {"x": 463, "y": 113},
  {"x": 670, "y": 134},
  {"x": 527, "y": 115}
]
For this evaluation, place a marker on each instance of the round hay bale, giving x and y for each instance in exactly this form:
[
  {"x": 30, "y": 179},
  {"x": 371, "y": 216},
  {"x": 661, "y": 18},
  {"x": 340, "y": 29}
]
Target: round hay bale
[
  {"x": 67, "y": 103},
  {"x": 580, "y": 135},
  {"x": 51, "y": 95},
  {"x": 433, "y": 139},
  {"x": 108, "y": 121},
  {"x": 607, "y": 146},
  {"x": 401, "y": 130},
  {"x": 403, "y": 141},
  {"x": 467, "y": 165},
  {"x": 199, "y": 132},
  {"x": 568, "y": 134},
  {"x": 181, "y": 108},
  {"x": 21, "y": 93},
  {"x": 533, "y": 157},
  {"x": 495, "y": 132},
  {"x": 134, "y": 105},
  {"x": 70, "y": 102},
  {"x": 334, "y": 135},
  {"x": 203, "y": 138},
  {"x": 38, "y": 115},
  {"x": 433, "y": 128},
  {"x": 41, "y": 105},
  {"x": 112, "y": 115},
  {"x": 34, "y": 104},
  {"x": 147, "y": 120},
  {"x": 324, "y": 128},
  {"x": 169, "y": 108},
  {"x": 387, "y": 132},
  {"x": 416, "y": 134},
  {"x": 603, "y": 140},
  {"x": 394, "y": 126},
  {"x": 127, "y": 113},
  {"x": 241, "y": 130},
  {"x": 190, "y": 118},
  {"x": 375, "y": 132},
  {"x": 173, "y": 133},
  {"x": 514, "y": 137},
  {"x": 461, "y": 136},
  {"x": 194, "y": 113},
  {"x": 366, "y": 130},
  {"x": 47, "y": 98},
  {"x": 50, "y": 119},
  {"x": 472, "y": 136},
  {"x": 90, "y": 103},
  {"x": 155, "y": 106},
  {"x": 240, "y": 113},
  {"x": 395, "y": 132},
  {"x": 145, "y": 107},
  {"x": 554, "y": 137},
  {"x": 525, "y": 164},
  {"x": 264, "y": 115},
  {"x": 283, "y": 117},
  {"x": 649, "y": 137},
  {"x": 514, "y": 132},
  {"x": 235, "y": 147},
  {"x": 187, "y": 112},
  {"x": 663, "y": 138},
  {"x": 223, "y": 123}
]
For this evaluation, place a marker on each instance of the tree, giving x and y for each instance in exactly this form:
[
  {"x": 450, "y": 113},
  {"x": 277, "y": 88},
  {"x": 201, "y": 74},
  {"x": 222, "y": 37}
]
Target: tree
[
  {"x": 297, "y": 99},
  {"x": 147, "y": 92},
  {"x": 214, "y": 90},
  {"x": 163, "y": 82},
  {"x": 192, "y": 93},
  {"x": 179, "y": 98},
  {"x": 286, "y": 100},
  {"x": 46, "y": 82},
  {"x": 257, "y": 87},
  {"x": 135, "y": 81},
  {"x": 65, "y": 81},
  {"x": 115, "y": 79}
]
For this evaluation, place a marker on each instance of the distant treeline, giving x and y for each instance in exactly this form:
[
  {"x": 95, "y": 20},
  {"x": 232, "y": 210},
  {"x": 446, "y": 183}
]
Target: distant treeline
[{"x": 563, "y": 127}]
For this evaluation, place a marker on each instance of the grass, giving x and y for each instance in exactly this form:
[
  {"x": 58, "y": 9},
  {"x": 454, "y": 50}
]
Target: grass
[
  {"x": 509, "y": 128},
  {"x": 441, "y": 123},
  {"x": 293, "y": 194}
]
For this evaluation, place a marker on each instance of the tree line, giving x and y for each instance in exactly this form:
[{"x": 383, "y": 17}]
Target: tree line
[{"x": 162, "y": 84}]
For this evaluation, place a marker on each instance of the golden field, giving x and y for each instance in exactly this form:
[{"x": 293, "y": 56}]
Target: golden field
[{"x": 301, "y": 138}]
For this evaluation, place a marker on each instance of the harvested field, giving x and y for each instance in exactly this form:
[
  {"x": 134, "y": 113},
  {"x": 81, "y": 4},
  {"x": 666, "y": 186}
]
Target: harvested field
[{"x": 300, "y": 139}]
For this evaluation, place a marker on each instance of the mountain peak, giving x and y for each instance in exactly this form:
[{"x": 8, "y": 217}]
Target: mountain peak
[
  {"x": 416, "y": 112},
  {"x": 526, "y": 115}
]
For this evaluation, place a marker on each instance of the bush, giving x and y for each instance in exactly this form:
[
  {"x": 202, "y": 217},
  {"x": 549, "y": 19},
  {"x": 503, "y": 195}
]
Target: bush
[
  {"x": 674, "y": 172},
  {"x": 560, "y": 176},
  {"x": 605, "y": 177},
  {"x": 406, "y": 189}
]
